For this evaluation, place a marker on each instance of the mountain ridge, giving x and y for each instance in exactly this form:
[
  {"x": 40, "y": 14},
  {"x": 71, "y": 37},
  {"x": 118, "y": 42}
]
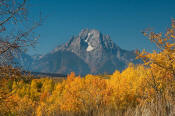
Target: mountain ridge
[{"x": 88, "y": 52}]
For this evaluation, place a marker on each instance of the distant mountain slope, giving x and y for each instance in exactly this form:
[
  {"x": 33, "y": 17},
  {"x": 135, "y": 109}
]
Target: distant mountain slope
[
  {"x": 21, "y": 59},
  {"x": 61, "y": 62},
  {"x": 89, "y": 52}
]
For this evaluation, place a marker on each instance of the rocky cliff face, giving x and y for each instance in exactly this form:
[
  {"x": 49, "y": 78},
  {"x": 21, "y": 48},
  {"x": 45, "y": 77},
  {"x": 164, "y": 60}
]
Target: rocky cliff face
[{"x": 89, "y": 52}]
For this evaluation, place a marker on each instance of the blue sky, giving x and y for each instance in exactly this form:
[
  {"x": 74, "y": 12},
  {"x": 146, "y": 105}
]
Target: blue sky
[{"x": 123, "y": 20}]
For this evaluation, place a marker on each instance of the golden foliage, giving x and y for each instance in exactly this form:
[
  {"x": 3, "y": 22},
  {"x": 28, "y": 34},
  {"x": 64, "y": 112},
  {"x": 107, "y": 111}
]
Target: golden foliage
[{"x": 139, "y": 88}]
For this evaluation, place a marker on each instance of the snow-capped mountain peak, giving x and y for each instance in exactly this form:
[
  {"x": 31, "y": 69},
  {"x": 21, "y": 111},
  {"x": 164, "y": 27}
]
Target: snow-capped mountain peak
[{"x": 89, "y": 52}]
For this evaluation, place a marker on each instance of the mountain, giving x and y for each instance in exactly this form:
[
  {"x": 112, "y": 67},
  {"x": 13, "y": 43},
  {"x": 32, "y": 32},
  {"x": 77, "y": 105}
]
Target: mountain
[
  {"x": 89, "y": 52},
  {"x": 23, "y": 60}
]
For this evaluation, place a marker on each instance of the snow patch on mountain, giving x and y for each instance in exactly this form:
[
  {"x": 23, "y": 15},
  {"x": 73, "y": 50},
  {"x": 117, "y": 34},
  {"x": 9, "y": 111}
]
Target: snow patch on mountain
[{"x": 89, "y": 48}]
